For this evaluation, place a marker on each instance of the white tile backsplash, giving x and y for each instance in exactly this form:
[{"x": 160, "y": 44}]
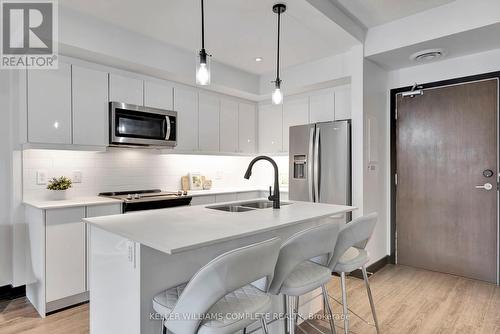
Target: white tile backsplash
[{"x": 128, "y": 169}]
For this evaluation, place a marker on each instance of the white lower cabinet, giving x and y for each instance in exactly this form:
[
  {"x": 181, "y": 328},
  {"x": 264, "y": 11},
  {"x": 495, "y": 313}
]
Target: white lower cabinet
[
  {"x": 58, "y": 257},
  {"x": 65, "y": 258}
]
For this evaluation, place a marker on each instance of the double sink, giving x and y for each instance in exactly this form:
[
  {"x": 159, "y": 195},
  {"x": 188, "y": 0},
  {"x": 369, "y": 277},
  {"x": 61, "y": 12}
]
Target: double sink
[{"x": 245, "y": 206}]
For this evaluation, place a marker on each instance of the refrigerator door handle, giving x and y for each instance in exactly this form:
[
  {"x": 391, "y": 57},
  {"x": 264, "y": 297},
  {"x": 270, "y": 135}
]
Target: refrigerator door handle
[
  {"x": 316, "y": 166},
  {"x": 310, "y": 185}
]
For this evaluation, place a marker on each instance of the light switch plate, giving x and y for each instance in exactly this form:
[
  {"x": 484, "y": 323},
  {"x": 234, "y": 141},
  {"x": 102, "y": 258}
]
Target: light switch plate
[
  {"x": 77, "y": 176},
  {"x": 41, "y": 177}
]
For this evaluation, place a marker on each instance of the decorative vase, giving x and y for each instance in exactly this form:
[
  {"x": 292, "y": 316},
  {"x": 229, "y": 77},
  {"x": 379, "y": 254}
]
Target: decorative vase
[{"x": 58, "y": 195}]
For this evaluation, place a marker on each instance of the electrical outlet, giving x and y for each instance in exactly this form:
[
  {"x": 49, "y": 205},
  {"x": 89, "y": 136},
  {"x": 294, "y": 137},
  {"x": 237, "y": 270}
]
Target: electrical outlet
[
  {"x": 218, "y": 175},
  {"x": 77, "y": 176},
  {"x": 41, "y": 177}
]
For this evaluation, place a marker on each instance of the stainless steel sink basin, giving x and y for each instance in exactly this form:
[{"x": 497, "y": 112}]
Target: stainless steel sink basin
[
  {"x": 230, "y": 208},
  {"x": 245, "y": 206},
  {"x": 263, "y": 204}
]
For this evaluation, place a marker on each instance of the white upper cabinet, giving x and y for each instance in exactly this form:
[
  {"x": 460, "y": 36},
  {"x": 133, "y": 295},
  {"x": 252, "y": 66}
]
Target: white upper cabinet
[
  {"x": 126, "y": 90},
  {"x": 270, "y": 128},
  {"x": 343, "y": 102},
  {"x": 209, "y": 106},
  {"x": 158, "y": 95},
  {"x": 228, "y": 125},
  {"x": 186, "y": 105},
  {"x": 247, "y": 128},
  {"x": 49, "y": 105},
  {"x": 322, "y": 105},
  {"x": 295, "y": 112},
  {"x": 90, "y": 106}
]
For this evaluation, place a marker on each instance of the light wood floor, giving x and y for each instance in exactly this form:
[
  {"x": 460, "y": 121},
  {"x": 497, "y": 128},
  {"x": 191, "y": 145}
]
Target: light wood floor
[{"x": 408, "y": 300}]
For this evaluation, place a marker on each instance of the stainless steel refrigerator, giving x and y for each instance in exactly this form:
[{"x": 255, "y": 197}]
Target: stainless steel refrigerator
[{"x": 320, "y": 163}]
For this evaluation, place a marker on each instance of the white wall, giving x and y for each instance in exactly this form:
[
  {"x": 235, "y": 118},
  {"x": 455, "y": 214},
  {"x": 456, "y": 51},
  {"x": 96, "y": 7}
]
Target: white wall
[
  {"x": 5, "y": 182},
  {"x": 376, "y": 157},
  {"x": 129, "y": 169}
]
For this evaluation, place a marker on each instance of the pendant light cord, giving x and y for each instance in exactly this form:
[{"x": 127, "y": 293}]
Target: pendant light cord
[
  {"x": 278, "y": 55},
  {"x": 202, "y": 26}
]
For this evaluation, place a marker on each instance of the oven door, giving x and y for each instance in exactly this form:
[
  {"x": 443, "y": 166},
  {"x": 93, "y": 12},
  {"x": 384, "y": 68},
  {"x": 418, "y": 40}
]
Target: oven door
[{"x": 141, "y": 126}]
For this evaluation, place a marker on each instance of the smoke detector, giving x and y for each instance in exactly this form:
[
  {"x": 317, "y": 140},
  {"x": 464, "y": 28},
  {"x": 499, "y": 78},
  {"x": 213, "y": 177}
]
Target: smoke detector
[{"x": 425, "y": 56}]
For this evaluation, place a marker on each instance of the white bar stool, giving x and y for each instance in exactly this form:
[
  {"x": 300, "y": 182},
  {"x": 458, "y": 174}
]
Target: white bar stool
[
  {"x": 219, "y": 291},
  {"x": 296, "y": 275},
  {"x": 350, "y": 254}
]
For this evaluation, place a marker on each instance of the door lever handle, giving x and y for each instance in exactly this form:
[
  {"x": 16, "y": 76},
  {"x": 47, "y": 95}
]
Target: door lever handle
[{"x": 486, "y": 186}]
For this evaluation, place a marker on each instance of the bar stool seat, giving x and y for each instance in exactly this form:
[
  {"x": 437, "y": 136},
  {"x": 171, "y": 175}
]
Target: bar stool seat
[
  {"x": 305, "y": 277},
  {"x": 354, "y": 258},
  {"x": 246, "y": 300}
]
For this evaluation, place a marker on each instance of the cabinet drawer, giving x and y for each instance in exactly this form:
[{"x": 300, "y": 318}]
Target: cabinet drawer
[
  {"x": 104, "y": 210},
  {"x": 65, "y": 257}
]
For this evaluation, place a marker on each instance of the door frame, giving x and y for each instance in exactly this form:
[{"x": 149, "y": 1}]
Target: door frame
[{"x": 393, "y": 160}]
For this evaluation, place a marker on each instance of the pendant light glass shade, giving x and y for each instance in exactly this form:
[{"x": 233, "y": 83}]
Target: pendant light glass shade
[
  {"x": 277, "y": 96},
  {"x": 203, "y": 69}
]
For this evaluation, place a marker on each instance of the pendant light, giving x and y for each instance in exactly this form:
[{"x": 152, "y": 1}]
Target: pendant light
[
  {"x": 277, "y": 96},
  {"x": 203, "y": 63}
]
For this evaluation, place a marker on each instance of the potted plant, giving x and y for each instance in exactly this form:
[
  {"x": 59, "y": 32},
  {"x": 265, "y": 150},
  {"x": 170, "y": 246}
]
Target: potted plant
[{"x": 59, "y": 187}]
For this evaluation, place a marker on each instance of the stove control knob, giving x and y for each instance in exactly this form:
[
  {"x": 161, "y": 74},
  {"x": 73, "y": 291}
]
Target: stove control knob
[
  {"x": 179, "y": 193},
  {"x": 137, "y": 196},
  {"x": 129, "y": 196},
  {"x": 185, "y": 193}
]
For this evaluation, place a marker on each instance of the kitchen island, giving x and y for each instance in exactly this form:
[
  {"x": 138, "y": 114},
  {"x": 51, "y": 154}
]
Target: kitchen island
[{"x": 137, "y": 255}]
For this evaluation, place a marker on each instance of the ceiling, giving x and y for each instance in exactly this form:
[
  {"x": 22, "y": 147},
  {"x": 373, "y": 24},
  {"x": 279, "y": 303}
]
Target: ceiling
[
  {"x": 236, "y": 31},
  {"x": 376, "y": 12},
  {"x": 456, "y": 45}
]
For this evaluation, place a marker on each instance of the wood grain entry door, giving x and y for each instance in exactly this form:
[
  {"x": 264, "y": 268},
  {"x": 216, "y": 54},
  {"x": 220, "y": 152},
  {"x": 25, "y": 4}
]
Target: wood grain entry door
[{"x": 446, "y": 148}]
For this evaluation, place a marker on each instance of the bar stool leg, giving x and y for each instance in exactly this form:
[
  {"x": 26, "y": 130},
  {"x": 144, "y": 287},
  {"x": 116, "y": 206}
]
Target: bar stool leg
[
  {"x": 296, "y": 308},
  {"x": 291, "y": 315},
  {"x": 369, "y": 291},
  {"x": 328, "y": 308},
  {"x": 344, "y": 303},
  {"x": 285, "y": 313},
  {"x": 163, "y": 329},
  {"x": 263, "y": 325}
]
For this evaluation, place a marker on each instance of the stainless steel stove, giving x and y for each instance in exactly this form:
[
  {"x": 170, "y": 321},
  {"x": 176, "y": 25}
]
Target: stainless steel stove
[{"x": 136, "y": 200}]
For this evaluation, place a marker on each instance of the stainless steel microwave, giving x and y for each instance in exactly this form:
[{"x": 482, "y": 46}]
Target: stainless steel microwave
[{"x": 131, "y": 125}]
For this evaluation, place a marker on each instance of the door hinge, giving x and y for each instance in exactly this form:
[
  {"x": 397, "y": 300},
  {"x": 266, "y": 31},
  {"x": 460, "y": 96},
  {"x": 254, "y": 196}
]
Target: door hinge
[{"x": 396, "y": 179}]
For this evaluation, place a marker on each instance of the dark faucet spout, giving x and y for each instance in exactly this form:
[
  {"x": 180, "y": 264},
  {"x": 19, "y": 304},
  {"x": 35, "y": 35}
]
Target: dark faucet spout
[{"x": 275, "y": 197}]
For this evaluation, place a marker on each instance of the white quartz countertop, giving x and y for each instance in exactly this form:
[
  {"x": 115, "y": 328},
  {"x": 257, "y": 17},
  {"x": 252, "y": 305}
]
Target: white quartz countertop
[
  {"x": 184, "y": 228},
  {"x": 67, "y": 203}
]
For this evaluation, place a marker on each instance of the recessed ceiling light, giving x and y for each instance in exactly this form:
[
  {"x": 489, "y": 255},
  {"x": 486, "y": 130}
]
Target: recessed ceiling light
[
  {"x": 259, "y": 59},
  {"x": 428, "y": 55}
]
